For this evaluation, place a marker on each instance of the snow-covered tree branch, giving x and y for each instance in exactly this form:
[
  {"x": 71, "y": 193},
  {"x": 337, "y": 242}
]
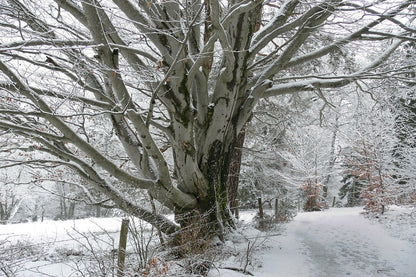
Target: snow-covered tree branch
[{"x": 78, "y": 75}]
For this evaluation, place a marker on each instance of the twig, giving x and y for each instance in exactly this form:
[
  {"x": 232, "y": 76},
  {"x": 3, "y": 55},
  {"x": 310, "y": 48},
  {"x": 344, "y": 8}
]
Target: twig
[{"x": 246, "y": 272}]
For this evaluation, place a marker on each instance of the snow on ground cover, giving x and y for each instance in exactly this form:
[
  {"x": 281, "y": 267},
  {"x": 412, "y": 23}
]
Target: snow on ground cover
[
  {"x": 57, "y": 230},
  {"x": 338, "y": 242},
  {"x": 335, "y": 242},
  {"x": 40, "y": 248},
  {"x": 400, "y": 222},
  {"x": 63, "y": 248}
]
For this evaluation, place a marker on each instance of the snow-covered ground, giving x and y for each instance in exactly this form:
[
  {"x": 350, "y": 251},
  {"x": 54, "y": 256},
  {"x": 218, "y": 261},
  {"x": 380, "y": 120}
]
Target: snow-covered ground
[
  {"x": 341, "y": 242},
  {"x": 335, "y": 242},
  {"x": 54, "y": 248}
]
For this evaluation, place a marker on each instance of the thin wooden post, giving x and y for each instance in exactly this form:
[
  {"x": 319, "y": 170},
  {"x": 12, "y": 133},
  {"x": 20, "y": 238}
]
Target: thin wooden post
[
  {"x": 261, "y": 214},
  {"x": 333, "y": 202},
  {"x": 122, "y": 247},
  {"x": 276, "y": 209},
  {"x": 236, "y": 209}
]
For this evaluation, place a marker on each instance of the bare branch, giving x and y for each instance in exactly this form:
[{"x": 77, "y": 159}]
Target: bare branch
[{"x": 335, "y": 82}]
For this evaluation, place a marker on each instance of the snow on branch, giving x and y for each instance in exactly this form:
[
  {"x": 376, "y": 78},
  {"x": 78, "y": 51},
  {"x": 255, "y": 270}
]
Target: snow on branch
[{"x": 330, "y": 82}]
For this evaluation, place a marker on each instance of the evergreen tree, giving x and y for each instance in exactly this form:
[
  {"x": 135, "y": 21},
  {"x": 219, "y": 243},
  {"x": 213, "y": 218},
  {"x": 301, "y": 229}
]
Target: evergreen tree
[{"x": 351, "y": 190}]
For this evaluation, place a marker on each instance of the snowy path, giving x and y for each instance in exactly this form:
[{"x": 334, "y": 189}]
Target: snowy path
[{"x": 338, "y": 242}]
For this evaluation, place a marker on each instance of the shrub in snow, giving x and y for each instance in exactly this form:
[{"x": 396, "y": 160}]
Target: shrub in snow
[
  {"x": 312, "y": 193},
  {"x": 377, "y": 195}
]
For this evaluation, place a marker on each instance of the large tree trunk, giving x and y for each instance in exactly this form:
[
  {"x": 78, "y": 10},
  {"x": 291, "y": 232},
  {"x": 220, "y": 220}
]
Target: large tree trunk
[
  {"x": 204, "y": 140},
  {"x": 212, "y": 210},
  {"x": 211, "y": 217},
  {"x": 234, "y": 173}
]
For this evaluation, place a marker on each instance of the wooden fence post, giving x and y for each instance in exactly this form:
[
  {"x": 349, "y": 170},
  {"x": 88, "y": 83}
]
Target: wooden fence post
[
  {"x": 276, "y": 209},
  {"x": 333, "y": 202},
  {"x": 261, "y": 214},
  {"x": 122, "y": 247},
  {"x": 236, "y": 209}
]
